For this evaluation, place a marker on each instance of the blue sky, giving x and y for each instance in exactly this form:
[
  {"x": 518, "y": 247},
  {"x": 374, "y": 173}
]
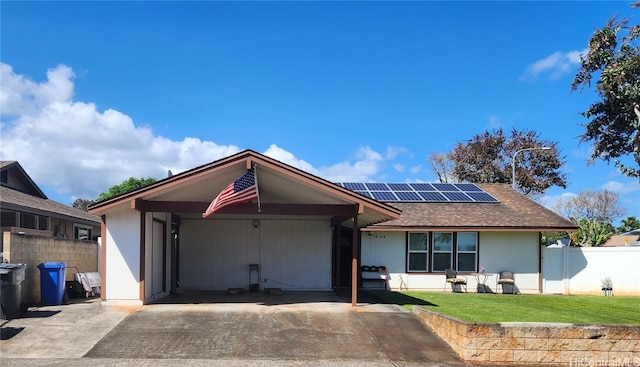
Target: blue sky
[{"x": 96, "y": 92}]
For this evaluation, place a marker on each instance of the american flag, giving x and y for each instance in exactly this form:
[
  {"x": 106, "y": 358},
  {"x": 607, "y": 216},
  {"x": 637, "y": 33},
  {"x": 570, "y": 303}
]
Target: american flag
[{"x": 242, "y": 190}]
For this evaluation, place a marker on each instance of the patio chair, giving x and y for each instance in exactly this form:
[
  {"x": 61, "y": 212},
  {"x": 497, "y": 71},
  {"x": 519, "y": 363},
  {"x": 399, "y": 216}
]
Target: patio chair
[
  {"x": 452, "y": 277},
  {"x": 506, "y": 277}
]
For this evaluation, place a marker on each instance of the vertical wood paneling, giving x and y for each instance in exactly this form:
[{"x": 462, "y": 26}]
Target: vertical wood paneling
[
  {"x": 293, "y": 254},
  {"x": 123, "y": 256}
]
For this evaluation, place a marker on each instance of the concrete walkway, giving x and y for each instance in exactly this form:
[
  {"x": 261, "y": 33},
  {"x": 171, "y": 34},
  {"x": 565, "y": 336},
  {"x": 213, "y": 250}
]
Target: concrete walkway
[{"x": 208, "y": 329}]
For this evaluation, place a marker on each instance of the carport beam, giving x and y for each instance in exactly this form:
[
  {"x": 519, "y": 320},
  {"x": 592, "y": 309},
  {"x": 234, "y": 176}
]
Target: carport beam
[{"x": 354, "y": 262}]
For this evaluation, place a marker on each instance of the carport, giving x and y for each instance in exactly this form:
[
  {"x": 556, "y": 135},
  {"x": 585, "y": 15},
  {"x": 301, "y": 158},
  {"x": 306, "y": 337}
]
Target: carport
[{"x": 154, "y": 240}]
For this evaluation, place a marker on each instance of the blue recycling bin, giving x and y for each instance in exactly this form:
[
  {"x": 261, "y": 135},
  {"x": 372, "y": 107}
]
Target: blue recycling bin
[{"x": 52, "y": 283}]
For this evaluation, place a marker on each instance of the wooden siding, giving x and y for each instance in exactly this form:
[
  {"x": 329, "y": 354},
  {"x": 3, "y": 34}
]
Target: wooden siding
[
  {"x": 122, "y": 257},
  {"x": 293, "y": 254}
]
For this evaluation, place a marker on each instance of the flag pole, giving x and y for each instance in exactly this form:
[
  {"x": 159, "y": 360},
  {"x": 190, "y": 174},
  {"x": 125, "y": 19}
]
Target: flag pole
[{"x": 255, "y": 178}]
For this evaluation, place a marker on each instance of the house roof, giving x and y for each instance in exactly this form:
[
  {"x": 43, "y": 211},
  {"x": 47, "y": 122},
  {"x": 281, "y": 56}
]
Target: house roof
[
  {"x": 19, "y": 201},
  {"x": 512, "y": 212},
  {"x": 283, "y": 190},
  {"x": 19, "y": 179},
  {"x": 625, "y": 239}
]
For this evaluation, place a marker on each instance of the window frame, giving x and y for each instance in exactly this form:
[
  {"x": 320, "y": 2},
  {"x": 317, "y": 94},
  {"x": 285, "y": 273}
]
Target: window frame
[
  {"x": 458, "y": 252},
  {"x": 434, "y": 252},
  {"x": 76, "y": 232},
  {"x": 425, "y": 251}
]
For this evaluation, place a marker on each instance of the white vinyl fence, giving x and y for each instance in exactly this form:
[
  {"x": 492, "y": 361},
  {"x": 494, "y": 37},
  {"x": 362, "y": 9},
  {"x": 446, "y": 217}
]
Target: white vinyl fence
[{"x": 580, "y": 270}]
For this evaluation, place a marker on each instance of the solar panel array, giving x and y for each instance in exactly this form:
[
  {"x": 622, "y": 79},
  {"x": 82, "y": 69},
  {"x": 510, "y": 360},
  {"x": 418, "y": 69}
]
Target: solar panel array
[{"x": 421, "y": 192}]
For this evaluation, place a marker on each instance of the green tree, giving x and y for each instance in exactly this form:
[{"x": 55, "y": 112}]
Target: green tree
[
  {"x": 488, "y": 158},
  {"x": 591, "y": 233},
  {"x": 82, "y": 204},
  {"x": 614, "y": 120},
  {"x": 628, "y": 224},
  {"x": 126, "y": 186}
]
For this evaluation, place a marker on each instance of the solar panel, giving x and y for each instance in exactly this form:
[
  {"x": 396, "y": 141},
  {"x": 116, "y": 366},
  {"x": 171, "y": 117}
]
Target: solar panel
[
  {"x": 467, "y": 187},
  {"x": 422, "y": 187},
  {"x": 456, "y": 196},
  {"x": 354, "y": 186},
  {"x": 408, "y": 196},
  {"x": 383, "y": 196},
  {"x": 445, "y": 187},
  {"x": 421, "y": 192},
  {"x": 432, "y": 196},
  {"x": 482, "y": 197},
  {"x": 374, "y": 186},
  {"x": 399, "y": 187}
]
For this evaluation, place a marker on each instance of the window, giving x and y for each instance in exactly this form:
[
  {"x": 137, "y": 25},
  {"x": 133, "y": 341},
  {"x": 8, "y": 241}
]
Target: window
[
  {"x": 467, "y": 246},
  {"x": 8, "y": 219},
  {"x": 27, "y": 220},
  {"x": 442, "y": 250},
  {"x": 418, "y": 254},
  {"x": 43, "y": 222},
  {"x": 81, "y": 233}
]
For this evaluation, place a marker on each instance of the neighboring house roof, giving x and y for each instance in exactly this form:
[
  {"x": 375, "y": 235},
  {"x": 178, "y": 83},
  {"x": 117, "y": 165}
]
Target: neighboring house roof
[
  {"x": 625, "y": 239},
  {"x": 19, "y": 179},
  {"x": 16, "y": 200},
  {"x": 20, "y": 193},
  {"x": 513, "y": 211}
]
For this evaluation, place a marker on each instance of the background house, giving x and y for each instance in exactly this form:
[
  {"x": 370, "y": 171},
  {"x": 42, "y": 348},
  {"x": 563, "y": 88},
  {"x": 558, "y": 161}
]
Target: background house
[{"x": 36, "y": 229}]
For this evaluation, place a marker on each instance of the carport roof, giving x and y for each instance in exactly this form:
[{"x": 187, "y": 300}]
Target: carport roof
[{"x": 283, "y": 190}]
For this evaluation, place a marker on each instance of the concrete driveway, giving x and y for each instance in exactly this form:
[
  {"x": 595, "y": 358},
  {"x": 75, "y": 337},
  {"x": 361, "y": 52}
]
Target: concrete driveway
[{"x": 249, "y": 329}]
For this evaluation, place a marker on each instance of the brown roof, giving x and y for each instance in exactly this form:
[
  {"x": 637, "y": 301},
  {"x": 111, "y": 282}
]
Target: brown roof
[
  {"x": 16, "y": 200},
  {"x": 622, "y": 240},
  {"x": 514, "y": 211}
]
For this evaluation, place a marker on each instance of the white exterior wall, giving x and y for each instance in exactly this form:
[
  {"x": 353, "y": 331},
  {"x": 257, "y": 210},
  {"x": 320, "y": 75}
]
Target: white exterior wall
[
  {"x": 294, "y": 254},
  {"x": 515, "y": 251},
  {"x": 580, "y": 270},
  {"x": 154, "y": 256},
  {"x": 123, "y": 258}
]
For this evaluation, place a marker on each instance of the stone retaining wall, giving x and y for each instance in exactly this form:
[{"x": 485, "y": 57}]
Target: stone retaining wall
[
  {"x": 32, "y": 250},
  {"x": 539, "y": 344}
]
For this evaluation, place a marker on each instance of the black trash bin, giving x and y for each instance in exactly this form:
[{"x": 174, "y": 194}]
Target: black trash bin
[
  {"x": 52, "y": 283},
  {"x": 11, "y": 278}
]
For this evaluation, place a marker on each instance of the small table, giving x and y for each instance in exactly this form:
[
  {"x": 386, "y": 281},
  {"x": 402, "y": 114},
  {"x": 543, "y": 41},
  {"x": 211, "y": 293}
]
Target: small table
[{"x": 481, "y": 280}]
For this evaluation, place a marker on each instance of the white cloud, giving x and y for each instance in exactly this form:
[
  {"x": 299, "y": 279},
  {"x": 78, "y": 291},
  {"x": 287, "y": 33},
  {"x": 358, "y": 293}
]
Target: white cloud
[
  {"x": 549, "y": 201},
  {"x": 77, "y": 150},
  {"x": 399, "y": 167},
  {"x": 416, "y": 169},
  {"x": 284, "y": 156},
  {"x": 394, "y": 152},
  {"x": 555, "y": 65},
  {"x": 621, "y": 187}
]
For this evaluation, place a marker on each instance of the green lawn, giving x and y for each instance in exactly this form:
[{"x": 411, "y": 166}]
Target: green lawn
[{"x": 476, "y": 307}]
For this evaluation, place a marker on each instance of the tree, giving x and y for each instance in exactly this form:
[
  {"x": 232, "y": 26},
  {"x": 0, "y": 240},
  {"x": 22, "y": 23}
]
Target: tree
[
  {"x": 628, "y": 225},
  {"x": 126, "y": 186},
  {"x": 442, "y": 165},
  {"x": 600, "y": 206},
  {"x": 591, "y": 233},
  {"x": 614, "y": 126},
  {"x": 488, "y": 157},
  {"x": 82, "y": 204}
]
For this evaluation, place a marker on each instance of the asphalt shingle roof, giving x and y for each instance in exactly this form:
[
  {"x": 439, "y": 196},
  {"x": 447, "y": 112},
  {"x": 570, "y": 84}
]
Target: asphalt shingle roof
[
  {"x": 513, "y": 211},
  {"x": 10, "y": 198}
]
